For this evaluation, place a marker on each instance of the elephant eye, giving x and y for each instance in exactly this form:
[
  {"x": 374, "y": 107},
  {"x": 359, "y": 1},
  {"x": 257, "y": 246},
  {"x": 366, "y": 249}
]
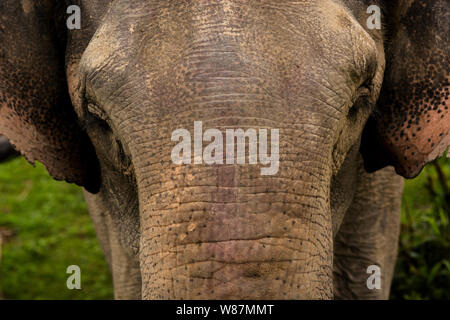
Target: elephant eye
[
  {"x": 97, "y": 123},
  {"x": 363, "y": 104},
  {"x": 96, "y": 111},
  {"x": 366, "y": 88},
  {"x": 95, "y": 118},
  {"x": 363, "y": 94}
]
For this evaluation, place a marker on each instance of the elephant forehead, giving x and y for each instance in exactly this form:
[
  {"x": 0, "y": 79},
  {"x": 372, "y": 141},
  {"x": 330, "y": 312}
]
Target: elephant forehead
[{"x": 286, "y": 42}]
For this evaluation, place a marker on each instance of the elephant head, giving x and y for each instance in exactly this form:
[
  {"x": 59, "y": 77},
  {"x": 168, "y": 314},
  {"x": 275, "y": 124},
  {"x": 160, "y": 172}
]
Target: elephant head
[{"x": 98, "y": 106}]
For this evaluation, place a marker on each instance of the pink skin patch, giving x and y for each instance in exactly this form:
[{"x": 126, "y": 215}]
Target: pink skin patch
[{"x": 424, "y": 141}]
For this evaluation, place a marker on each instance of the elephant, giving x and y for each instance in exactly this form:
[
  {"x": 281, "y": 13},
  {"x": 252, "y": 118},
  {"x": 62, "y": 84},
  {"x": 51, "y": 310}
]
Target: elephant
[{"x": 357, "y": 110}]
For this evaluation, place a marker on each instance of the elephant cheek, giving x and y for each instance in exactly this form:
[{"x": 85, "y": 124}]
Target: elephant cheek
[{"x": 224, "y": 232}]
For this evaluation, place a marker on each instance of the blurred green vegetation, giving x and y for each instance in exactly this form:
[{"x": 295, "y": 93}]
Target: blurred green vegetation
[
  {"x": 423, "y": 265},
  {"x": 46, "y": 227}
]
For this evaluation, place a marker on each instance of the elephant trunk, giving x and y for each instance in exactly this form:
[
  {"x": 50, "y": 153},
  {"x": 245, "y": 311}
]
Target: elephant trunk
[{"x": 226, "y": 231}]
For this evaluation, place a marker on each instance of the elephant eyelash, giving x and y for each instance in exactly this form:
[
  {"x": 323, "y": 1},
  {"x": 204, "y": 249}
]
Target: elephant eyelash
[
  {"x": 91, "y": 122},
  {"x": 366, "y": 88},
  {"x": 96, "y": 111},
  {"x": 364, "y": 92},
  {"x": 93, "y": 117}
]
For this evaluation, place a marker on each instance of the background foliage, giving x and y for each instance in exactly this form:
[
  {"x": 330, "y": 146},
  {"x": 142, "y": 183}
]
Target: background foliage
[
  {"x": 45, "y": 227},
  {"x": 423, "y": 265}
]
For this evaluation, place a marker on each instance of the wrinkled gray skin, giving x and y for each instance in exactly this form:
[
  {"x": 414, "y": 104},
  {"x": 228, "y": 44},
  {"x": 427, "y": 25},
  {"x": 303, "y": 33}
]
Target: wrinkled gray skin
[
  {"x": 138, "y": 70},
  {"x": 225, "y": 231}
]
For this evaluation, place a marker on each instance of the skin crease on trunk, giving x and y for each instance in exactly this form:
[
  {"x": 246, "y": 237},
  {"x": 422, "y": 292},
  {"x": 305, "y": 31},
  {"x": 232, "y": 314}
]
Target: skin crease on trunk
[{"x": 196, "y": 231}]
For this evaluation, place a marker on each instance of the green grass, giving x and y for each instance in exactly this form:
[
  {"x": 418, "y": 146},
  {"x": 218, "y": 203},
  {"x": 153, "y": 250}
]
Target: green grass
[
  {"x": 423, "y": 265},
  {"x": 51, "y": 230}
]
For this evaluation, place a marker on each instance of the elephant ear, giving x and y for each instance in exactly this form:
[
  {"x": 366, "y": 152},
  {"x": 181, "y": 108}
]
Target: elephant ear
[
  {"x": 411, "y": 124},
  {"x": 35, "y": 109}
]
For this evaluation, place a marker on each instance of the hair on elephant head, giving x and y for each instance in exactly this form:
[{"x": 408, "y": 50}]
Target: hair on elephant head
[{"x": 98, "y": 106}]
